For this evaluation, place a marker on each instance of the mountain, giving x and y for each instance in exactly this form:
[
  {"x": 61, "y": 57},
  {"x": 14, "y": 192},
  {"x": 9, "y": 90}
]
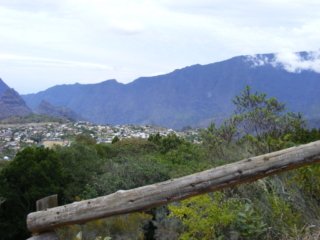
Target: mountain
[
  {"x": 3, "y": 87},
  {"x": 194, "y": 95},
  {"x": 12, "y": 104},
  {"x": 48, "y": 109}
]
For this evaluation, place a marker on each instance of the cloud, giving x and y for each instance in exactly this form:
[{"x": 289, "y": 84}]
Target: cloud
[
  {"x": 257, "y": 60},
  {"x": 126, "y": 27},
  {"x": 288, "y": 60},
  {"x": 295, "y": 62},
  {"x": 35, "y": 6},
  {"x": 51, "y": 63}
]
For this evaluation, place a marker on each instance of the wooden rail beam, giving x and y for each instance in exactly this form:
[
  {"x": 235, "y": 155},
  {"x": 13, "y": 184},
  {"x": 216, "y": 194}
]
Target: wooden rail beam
[{"x": 146, "y": 197}]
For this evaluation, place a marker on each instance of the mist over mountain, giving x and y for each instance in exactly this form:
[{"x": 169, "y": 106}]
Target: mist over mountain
[{"x": 194, "y": 95}]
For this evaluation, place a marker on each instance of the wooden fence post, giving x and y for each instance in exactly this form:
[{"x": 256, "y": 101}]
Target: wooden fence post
[{"x": 43, "y": 204}]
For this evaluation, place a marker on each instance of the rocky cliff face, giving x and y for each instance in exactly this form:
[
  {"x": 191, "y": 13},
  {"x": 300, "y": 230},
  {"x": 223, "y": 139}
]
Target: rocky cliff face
[
  {"x": 46, "y": 108},
  {"x": 12, "y": 104}
]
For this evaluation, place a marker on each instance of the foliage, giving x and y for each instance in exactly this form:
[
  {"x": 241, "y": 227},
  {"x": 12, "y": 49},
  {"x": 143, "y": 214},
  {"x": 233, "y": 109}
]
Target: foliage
[
  {"x": 166, "y": 228},
  {"x": 278, "y": 202},
  {"x": 308, "y": 178},
  {"x": 172, "y": 141},
  {"x": 134, "y": 146},
  {"x": 155, "y": 139},
  {"x": 127, "y": 226},
  {"x": 186, "y": 159},
  {"x": 115, "y": 139},
  {"x": 248, "y": 223},
  {"x": 86, "y": 139},
  {"x": 265, "y": 122},
  {"x": 221, "y": 141},
  {"x": 3, "y": 163},
  {"x": 34, "y": 173},
  {"x": 101, "y": 150},
  {"x": 81, "y": 163},
  {"x": 125, "y": 173},
  {"x": 259, "y": 125},
  {"x": 105, "y": 150},
  {"x": 205, "y": 216},
  {"x": 304, "y": 135}
]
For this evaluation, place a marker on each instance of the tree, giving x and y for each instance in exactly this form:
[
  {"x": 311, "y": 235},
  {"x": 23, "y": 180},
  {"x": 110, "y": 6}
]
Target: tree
[
  {"x": 80, "y": 163},
  {"x": 4, "y": 163},
  {"x": 155, "y": 139},
  {"x": 100, "y": 150},
  {"x": 127, "y": 172},
  {"x": 86, "y": 139},
  {"x": 264, "y": 116},
  {"x": 132, "y": 146},
  {"x": 115, "y": 139},
  {"x": 220, "y": 140},
  {"x": 264, "y": 124},
  {"x": 34, "y": 173},
  {"x": 169, "y": 142}
]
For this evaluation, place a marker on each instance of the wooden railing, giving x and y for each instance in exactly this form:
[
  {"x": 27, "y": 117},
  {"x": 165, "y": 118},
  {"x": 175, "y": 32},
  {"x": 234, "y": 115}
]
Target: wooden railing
[{"x": 146, "y": 197}]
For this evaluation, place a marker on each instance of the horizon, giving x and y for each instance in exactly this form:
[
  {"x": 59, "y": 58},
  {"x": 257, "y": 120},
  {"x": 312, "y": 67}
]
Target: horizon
[{"x": 289, "y": 61}]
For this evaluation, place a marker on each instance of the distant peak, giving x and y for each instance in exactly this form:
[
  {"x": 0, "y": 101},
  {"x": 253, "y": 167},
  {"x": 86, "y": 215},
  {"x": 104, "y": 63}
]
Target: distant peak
[
  {"x": 44, "y": 102},
  {"x": 105, "y": 81},
  {"x": 11, "y": 91},
  {"x": 110, "y": 80}
]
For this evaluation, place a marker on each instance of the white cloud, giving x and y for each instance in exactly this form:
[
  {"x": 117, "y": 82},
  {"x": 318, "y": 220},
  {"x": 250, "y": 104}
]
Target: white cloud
[
  {"x": 126, "y": 28},
  {"x": 35, "y": 62},
  {"x": 257, "y": 60},
  {"x": 288, "y": 60},
  {"x": 294, "y": 62},
  {"x": 33, "y": 5}
]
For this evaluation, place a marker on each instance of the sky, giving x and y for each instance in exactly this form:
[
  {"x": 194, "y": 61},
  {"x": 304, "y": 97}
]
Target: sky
[{"x": 44, "y": 43}]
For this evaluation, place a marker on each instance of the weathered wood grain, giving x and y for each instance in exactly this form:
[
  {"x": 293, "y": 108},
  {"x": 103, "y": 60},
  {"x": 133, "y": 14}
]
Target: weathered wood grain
[
  {"x": 47, "y": 202},
  {"x": 150, "y": 196}
]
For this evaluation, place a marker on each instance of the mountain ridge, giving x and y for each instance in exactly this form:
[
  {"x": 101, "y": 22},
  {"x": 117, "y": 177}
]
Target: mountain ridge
[{"x": 194, "y": 95}]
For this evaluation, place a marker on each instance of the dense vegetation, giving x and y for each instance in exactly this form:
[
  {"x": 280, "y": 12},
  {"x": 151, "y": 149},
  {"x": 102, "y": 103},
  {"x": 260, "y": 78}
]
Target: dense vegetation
[{"x": 284, "y": 206}]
